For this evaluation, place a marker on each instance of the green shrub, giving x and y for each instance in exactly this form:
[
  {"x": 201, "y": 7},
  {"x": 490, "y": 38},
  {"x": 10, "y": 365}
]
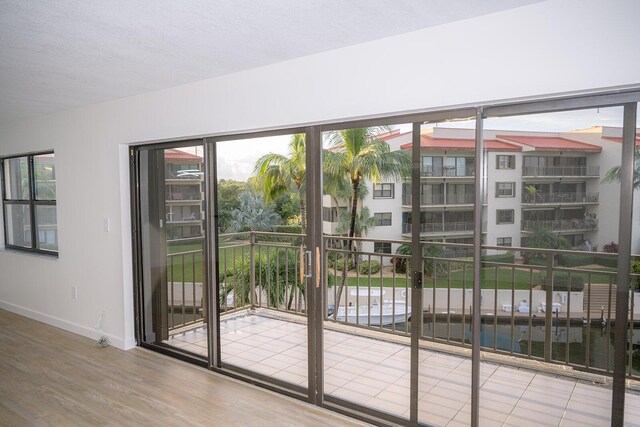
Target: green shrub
[
  {"x": 575, "y": 260},
  {"x": 508, "y": 258},
  {"x": 292, "y": 229},
  {"x": 369, "y": 267},
  {"x": 339, "y": 265},
  {"x": 606, "y": 261},
  {"x": 561, "y": 282},
  {"x": 635, "y": 269}
]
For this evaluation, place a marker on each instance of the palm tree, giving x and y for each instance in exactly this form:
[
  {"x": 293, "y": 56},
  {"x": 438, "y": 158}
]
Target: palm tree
[
  {"x": 277, "y": 174},
  {"x": 359, "y": 155},
  {"x": 253, "y": 215},
  {"x": 613, "y": 175}
]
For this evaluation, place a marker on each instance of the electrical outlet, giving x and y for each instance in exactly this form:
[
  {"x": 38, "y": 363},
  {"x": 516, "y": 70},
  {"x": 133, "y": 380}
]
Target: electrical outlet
[{"x": 74, "y": 293}]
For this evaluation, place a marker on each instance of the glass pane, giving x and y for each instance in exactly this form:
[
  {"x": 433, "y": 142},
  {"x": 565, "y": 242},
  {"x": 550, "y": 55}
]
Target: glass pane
[
  {"x": 549, "y": 270},
  {"x": 446, "y": 234},
  {"x": 45, "y": 175},
  {"x": 47, "y": 228},
  {"x": 261, "y": 232},
  {"x": 368, "y": 289},
  {"x": 16, "y": 177},
  {"x": 18, "y": 225}
]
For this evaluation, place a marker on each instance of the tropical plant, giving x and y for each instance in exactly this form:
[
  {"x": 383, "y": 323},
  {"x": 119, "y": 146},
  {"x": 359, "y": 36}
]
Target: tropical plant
[
  {"x": 275, "y": 278},
  {"x": 359, "y": 155},
  {"x": 253, "y": 215},
  {"x": 532, "y": 191},
  {"x": 610, "y": 248},
  {"x": 613, "y": 174},
  {"x": 277, "y": 174},
  {"x": 543, "y": 238},
  {"x": 228, "y": 201}
]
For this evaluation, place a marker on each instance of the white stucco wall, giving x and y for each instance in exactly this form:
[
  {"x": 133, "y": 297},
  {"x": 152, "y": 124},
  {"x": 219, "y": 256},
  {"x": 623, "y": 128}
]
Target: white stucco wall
[{"x": 498, "y": 56}]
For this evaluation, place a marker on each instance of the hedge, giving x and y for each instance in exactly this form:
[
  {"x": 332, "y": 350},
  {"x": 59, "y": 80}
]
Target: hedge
[
  {"x": 508, "y": 258},
  {"x": 575, "y": 260},
  {"x": 369, "y": 267},
  {"x": 561, "y": 281}
]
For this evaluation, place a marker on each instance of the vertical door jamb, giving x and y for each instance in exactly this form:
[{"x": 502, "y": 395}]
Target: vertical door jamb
[
  {"x": 315, "y": 287},
  {"x": 417, "y": 270}
]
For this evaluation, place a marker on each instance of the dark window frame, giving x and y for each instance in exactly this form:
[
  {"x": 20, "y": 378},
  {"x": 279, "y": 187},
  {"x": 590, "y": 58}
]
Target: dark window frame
[
  {"x": 383, "y": 219},
  {"x": 511, "y": 161},
  {"x": 32, "y": 202},
  {"x": 381, "y": 190},
  {"x": 381, "y": 247},
  {"x": 513, "y": 189},
  {"x": 500, "y": 221},
  {"x": 502, "y": 241}
]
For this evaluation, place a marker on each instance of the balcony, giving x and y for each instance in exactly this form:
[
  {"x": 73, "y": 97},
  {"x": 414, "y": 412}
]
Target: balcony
[
  {"x": 439, "y": 228},
  {"x": 561, "y": 171},
  {"x": 184, "y": 196},
  {"x": 561, "y": 225},
  {"x": 448, "y": 172},
  {"x": 440, "y": 200},
  {"x": 264, "y": 325},
  {"x": 560, "y": 198}
]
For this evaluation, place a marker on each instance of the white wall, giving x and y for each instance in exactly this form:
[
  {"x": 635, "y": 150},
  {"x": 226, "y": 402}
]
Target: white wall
[{"x": 539, "y": 49}]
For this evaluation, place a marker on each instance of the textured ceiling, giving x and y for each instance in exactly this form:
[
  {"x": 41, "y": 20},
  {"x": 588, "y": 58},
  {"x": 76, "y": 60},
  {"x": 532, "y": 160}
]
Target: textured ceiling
[{"x": 60, "y": 54}]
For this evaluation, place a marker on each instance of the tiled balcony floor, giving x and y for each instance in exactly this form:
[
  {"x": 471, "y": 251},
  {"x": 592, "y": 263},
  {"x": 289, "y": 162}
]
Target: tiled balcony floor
[{"x": 375, "y": 373}]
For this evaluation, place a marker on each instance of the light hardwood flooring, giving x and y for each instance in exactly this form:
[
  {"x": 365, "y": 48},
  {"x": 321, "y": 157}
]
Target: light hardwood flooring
[{"x": 50, "y": 377}]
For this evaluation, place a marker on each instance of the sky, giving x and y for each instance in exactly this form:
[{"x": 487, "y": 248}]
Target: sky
[{"x": 236, "y": 159}]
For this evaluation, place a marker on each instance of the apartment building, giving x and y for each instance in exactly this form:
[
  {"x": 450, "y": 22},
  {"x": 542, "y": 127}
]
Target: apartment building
[
  {"x": 550, "y": 180},
  {"x": 184, "y": 194}
]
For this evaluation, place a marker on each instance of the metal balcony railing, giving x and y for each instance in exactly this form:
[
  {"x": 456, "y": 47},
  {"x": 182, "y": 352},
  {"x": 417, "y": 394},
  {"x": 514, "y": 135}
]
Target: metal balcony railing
[
  {"x": 561, "y": 171},
  {"x": 448, "y": 171},
  {"x": 540, "y": 304},
  {"x": 559, "y": 198},
  {"x": 561, "y": 225},
  {"x": 439, "y": 227}
]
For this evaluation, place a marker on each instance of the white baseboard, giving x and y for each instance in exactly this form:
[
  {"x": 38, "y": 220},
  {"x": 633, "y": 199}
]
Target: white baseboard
[{"x": 88, "y": 332}]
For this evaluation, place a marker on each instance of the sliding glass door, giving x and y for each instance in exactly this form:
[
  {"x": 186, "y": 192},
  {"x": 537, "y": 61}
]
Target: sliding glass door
[{"x": 171, "y": 230}]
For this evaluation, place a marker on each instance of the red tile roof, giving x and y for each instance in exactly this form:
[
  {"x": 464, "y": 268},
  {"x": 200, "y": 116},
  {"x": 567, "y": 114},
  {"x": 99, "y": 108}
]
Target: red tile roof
[
  {"x": 461, "y": 144},
  {"x": 175, "y": 154},
  {"x": 551, "y": 143},
  {"x": 619, "y": 139}
]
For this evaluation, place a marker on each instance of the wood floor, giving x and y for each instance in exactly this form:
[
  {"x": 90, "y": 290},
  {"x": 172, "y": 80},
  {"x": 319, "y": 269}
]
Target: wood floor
[{"x": 50, "y": 377}]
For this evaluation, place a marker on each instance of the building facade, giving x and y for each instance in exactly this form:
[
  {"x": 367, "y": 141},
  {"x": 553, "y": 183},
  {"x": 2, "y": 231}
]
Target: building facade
[{"x": 534, "y": 180}]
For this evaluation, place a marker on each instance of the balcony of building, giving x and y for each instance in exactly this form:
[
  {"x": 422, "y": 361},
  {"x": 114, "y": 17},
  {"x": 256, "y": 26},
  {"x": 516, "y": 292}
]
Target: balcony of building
[
  {"x": 562, "y": 198},
  {"x": 448, "y": 171},
  {"x": 561, "y": 171},
  {"x": 561, "y": 225},
  {"x": 440, "y": 200},
  {"x": 432, "y": 229},
  {"x": 544, "y": 343}
]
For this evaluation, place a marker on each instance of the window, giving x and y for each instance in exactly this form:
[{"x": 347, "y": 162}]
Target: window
[
  {"x": 330, "y": 214},
  {"x": 504, "y": 241},
  {"x": 431, "y": 166},
  {"x": 383, "y": 191},
  {"x": 29, "y": 203},
  {"x": 382, "y": 218},
  {"x": 504, "y": 161},
  {"x": 505, "y": 189},
  {"x": 382, "y": 247},
  {"x": 504, "y": 216}
]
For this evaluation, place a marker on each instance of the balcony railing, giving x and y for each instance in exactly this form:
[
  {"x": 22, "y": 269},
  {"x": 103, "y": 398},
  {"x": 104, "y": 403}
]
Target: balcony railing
[
  {"x": 448, "y": 171},
  {"x": 532, "y": 301},
  {"x": 559, "y": 198},
  {"x": 561, "y": 171},
  {"x": 560, "y": 225},
  {"x": 439, "y": 227},
  {"x": 184, "y": 196}
]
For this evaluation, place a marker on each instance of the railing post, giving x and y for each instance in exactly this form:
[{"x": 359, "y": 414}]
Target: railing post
[
  {"x": 252, "y": 279},
  {"x": 549, "y": 308}
]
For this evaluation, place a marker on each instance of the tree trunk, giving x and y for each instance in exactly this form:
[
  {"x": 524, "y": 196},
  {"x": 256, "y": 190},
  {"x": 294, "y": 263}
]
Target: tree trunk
[
  {"x": 303, "y": 212},
  {"x": 352, "y": 232}
]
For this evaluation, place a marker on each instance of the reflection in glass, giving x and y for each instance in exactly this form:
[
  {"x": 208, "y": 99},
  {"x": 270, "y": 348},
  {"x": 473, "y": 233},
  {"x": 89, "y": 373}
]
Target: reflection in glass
[
  {"x": 18, "y": 225},
  {"x": 45, "y": 176},
  {"x": 16, "y": 177},
  {"x": 47, "y": 228}
]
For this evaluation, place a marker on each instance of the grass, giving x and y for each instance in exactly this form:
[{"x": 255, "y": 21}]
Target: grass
[{"x": 184, "y": 267}]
